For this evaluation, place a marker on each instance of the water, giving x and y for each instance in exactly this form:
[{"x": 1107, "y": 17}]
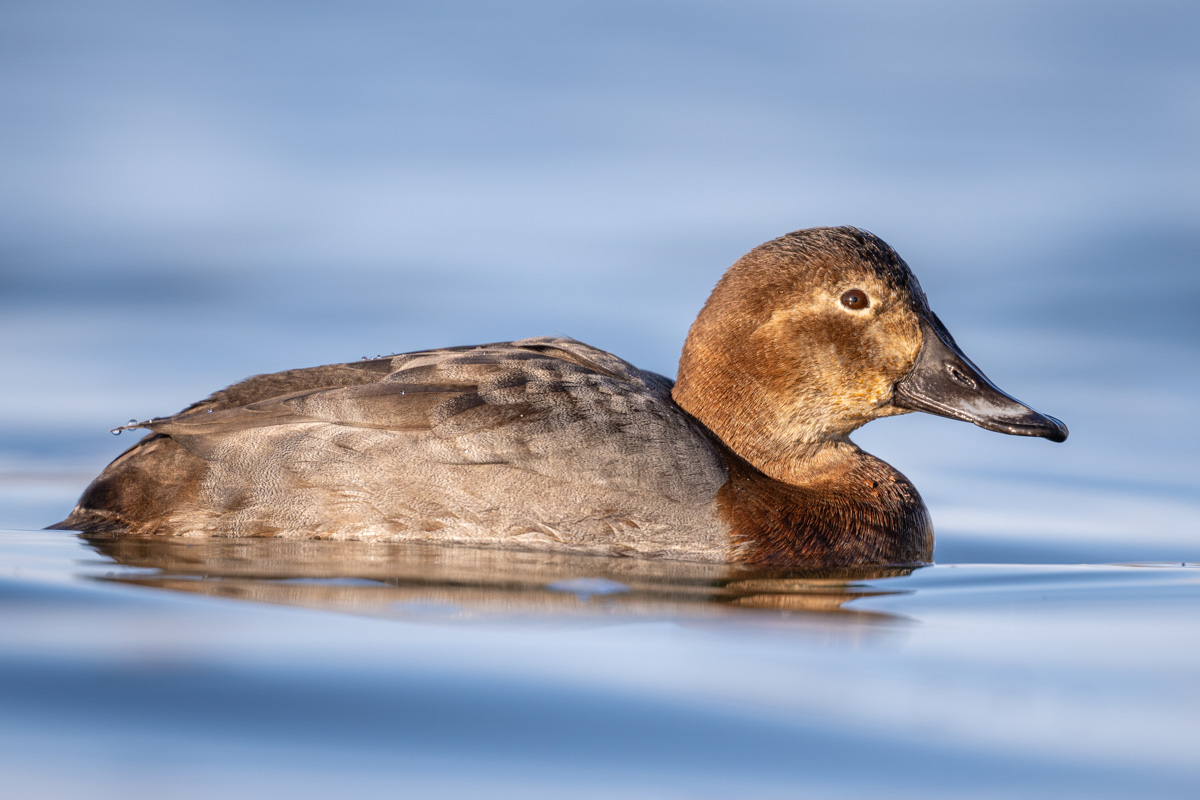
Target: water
[
  {"x": 190, "y": 668},
  {"x": 193, "y": 196}
]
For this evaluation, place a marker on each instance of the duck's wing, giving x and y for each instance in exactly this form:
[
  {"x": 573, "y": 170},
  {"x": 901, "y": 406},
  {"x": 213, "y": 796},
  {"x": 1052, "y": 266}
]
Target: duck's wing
[
  {"x": 370, "y": 370},
  {"x": 551, "y": 407}
]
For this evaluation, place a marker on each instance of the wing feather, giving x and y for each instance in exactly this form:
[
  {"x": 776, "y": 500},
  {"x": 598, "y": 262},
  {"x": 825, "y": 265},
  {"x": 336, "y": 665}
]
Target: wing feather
[{"x": 554, "y": 407}]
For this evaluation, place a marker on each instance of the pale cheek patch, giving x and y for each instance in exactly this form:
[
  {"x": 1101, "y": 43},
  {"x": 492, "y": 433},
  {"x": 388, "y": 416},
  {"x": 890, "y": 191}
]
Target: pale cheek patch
[
  {"x": 900, "y": 338},
  {"x": 830, "y": 373}
]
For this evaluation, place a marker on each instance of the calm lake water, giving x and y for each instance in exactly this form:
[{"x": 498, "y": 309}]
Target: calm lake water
[
  {"x": 192, "y": 196},
  {"x": 194, "y": 669}
]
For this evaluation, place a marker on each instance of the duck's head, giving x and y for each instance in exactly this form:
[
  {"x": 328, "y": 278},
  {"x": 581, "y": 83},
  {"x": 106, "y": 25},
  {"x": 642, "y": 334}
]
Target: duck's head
[{"x": 811, "y": 335}]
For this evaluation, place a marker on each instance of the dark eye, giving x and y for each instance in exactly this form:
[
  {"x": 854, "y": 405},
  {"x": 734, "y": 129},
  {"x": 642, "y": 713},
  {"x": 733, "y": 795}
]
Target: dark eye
[{"x": 856, "y": 300}]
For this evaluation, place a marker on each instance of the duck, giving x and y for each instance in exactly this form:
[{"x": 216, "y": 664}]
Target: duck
[{"x": 548, "y": 443}]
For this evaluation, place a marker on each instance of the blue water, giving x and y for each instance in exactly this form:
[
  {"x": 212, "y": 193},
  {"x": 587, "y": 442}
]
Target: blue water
[
  {"x": 194, "y": 195},
  {"x": 275, "y": 669}
]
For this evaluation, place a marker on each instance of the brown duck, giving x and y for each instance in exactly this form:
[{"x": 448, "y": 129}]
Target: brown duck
[{"x": 550, "y": 443}]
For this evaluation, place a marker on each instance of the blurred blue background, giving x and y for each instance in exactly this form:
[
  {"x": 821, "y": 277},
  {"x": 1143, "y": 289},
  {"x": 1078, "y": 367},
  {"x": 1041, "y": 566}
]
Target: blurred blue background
[
  {"x": 194, "y": 193},
  {"x": 191, "y": 193}
]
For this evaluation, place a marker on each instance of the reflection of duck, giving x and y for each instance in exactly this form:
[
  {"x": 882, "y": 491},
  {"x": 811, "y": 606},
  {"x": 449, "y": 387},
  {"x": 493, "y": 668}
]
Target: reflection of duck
[
  {"x": 417, "y": 580},
  {"x": 550, "y": 443}
]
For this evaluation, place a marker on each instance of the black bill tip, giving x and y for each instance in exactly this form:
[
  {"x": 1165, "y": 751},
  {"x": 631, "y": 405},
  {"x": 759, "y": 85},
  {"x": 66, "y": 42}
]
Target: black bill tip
[{"x": 1031, "y": 423}]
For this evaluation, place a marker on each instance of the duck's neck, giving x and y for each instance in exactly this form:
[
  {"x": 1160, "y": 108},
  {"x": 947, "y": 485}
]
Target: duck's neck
[
  {"x": 751, "y": 421},
  {"x": 807, "y": 500},
  {"x": 779, "y": 418}
]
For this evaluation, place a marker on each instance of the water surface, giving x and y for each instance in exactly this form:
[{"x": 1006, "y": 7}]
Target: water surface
[
  {"x": 194, "y": 195},
  {"x": 194, "y": 668}
]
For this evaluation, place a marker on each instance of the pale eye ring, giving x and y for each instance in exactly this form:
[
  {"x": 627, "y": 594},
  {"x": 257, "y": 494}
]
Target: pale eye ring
[{"x": 856, "y": 300}]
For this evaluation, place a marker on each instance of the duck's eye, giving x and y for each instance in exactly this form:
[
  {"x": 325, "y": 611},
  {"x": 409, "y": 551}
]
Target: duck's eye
[{"x": 855, "y": 300}]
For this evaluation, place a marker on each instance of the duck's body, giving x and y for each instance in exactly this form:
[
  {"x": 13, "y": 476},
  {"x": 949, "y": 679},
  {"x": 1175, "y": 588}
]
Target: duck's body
[{"x": 550, "y": 443}]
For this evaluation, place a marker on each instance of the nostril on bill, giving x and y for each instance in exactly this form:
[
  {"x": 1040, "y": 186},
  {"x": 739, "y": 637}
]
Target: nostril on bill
[{"x": 961, "y": 378}]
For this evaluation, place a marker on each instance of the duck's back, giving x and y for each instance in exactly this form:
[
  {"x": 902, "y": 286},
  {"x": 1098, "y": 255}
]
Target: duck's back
[{"x": 542, "y": 442}]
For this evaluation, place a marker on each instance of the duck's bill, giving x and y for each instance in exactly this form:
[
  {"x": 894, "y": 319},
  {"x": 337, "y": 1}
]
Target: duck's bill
[{"x": 943, "y": 381}]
